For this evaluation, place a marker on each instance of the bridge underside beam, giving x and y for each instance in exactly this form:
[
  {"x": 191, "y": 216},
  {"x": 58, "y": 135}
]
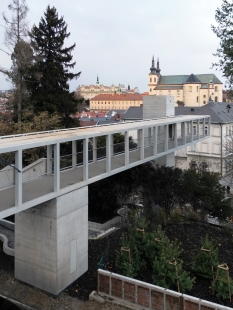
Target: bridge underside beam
[{"x": 51, "y": 242}]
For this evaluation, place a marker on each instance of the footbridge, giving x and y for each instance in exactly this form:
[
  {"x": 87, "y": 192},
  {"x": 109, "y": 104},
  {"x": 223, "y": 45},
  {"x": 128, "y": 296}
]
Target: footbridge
[{"x": 51, "y": 203}]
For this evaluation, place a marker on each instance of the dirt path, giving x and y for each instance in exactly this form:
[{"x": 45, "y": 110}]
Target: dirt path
[{"x": 38, "y": 300}]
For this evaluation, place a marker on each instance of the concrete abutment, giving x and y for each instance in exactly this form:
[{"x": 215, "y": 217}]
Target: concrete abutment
[{"x": 51, "y": 242}]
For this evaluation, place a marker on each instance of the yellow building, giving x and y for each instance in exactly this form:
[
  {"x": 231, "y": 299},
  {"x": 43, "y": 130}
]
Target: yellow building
[
  {"x": 120, "y": 101},
  {"x": 188, "y": 90},
  {"x": 90, "y": 91}
]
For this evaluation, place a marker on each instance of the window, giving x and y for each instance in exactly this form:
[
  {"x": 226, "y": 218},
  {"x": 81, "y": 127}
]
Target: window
[
  {"x": 197, "y": 88},
  {"x": 155, "y": 80},
  {"x": 150, "y": 90},
  {"x": 227, "y": 132},
  {"x": 204, "y": 96},
  {"x": 216, "y": 99},
  {"x": 194, "y": 130},
  {"x": 204, "y": 166},
  {"x": 193, "y": 165},
  {"x": 216, "y": 88},
  {"x": 204, "y": 102},
  {"x": 206, "y": 130},
  {"x": 197, "y": 99},
  {"x": 190, "y": 88},
  {"x": 150, "y": 79}
]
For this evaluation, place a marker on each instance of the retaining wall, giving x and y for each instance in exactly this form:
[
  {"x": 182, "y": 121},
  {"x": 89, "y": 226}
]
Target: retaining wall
[{"x": 147, "y": 296}]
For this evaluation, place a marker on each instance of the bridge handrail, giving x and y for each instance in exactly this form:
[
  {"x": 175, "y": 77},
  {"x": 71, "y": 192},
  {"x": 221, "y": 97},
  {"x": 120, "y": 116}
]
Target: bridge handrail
[{"x": 93, "y": 126}]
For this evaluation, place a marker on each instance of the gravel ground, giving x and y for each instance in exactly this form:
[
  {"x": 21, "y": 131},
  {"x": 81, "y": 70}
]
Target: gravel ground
[{"x": 76, "y": 295}]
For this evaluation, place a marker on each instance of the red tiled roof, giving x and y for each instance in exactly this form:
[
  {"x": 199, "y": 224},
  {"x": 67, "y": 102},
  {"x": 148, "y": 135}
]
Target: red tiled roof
[
  {"x": 86, "y": 123},
  {"x": 117, "y": 97},
  {"x": 145, "y": 93}
]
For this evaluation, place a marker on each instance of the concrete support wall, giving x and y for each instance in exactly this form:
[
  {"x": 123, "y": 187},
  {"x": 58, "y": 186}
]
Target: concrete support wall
[
  {"x": 51, "y": 242},
  {"x": 158, "y": 106}
]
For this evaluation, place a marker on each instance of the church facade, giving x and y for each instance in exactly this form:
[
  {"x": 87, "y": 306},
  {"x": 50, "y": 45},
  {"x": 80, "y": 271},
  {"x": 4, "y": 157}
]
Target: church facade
[{"x": 188, "y": 90}]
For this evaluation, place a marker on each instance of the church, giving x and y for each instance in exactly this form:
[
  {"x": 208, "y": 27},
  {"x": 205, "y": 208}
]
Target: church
[{"x": 188, "y": 90}]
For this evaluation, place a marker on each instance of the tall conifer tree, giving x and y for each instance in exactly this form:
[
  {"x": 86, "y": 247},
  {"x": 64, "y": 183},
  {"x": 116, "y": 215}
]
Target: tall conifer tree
[{"x": 49, "y": 87}]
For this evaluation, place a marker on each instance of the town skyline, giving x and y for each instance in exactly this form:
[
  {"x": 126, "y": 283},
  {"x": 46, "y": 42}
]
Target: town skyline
[{"x": 117, "y": 42}]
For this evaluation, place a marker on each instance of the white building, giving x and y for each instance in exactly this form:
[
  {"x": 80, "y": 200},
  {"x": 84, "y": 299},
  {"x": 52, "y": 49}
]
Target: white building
[{"x": 213, "y": 154}]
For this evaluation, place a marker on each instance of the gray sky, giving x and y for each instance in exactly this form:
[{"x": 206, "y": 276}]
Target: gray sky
[{"x": 116, "y": 39}]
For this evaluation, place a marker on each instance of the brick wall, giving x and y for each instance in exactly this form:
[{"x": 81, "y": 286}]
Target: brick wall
[{"x": 147, "y": 295}]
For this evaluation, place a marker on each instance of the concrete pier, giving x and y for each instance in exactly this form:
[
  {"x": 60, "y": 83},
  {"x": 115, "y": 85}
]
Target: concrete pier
[{"x": 51, "y": 242}]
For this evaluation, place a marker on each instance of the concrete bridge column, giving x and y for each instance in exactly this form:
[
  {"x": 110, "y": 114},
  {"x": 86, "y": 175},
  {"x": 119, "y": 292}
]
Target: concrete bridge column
[{"x": 51, "y": 242}]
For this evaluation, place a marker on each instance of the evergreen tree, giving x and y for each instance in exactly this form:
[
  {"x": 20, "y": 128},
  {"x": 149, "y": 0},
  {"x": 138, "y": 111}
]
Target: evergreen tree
[
  {"x": 49, "y": 87},
  {"x": 224, "y": 32}
]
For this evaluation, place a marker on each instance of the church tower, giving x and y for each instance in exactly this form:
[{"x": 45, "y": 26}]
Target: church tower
[{"x": 153, "y": 77}]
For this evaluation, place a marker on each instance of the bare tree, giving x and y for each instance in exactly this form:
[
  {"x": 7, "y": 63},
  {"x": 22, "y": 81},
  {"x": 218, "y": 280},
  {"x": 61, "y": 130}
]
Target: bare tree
[
  {"x": 16, "y": 32},
  {"x": 17, "y": 26}
]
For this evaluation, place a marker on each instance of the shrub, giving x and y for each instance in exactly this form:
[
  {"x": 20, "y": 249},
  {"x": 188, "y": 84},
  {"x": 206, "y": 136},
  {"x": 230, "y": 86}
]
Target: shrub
[
  {"x": 221, "y": 287},
  {"x": 205, "y": 260},
  {"x": 128, "y": 261}
]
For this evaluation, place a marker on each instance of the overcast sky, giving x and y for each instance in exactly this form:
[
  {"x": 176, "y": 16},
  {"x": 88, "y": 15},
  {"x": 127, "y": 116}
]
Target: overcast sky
[{"x": 116, "y": 39}]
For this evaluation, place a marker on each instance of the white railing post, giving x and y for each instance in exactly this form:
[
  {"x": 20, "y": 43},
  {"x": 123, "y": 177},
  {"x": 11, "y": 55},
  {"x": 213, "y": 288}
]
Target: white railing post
[
  {"x": 191, "y": 131},
  {"x": 198, "y": 129},
  {"x": 175, "y": 135},
  {"x": 74, "y": 153},
  {"x": 94, "y": 149},
  {"x": 203, "y": 127},
  {"x": 166, "y": 138},
  {"x": 126, "y": 148},
  {"x": 149, "y": 136},
  {"x": 155, "y": 138},
  {"x": 183, "y": 128},
  {"x": 49, "y": 163},
  {"x": 141, "y": 144},
  {"x": 108, "y": 153},
  {"x": 56, "y": 173},
  {"x": 209, "y": 126},
  {"x": 85, "y": 159},
  {"x": 18, "y": 178}
]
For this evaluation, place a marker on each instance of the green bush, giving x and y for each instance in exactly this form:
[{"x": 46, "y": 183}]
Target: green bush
[
  {"x": 221, "y": 287},
  {"x": 205, "y": 260},
  {"x": 128, "y": 264}
]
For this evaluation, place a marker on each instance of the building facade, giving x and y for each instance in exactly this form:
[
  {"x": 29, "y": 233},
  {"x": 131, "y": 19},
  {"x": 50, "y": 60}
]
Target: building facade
[
  {"x": 215, "y": 153},
  {"x": 119, "y": 101},
  {"x": 90, "y": 91},
  {"x": 188, "y": 90}
]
